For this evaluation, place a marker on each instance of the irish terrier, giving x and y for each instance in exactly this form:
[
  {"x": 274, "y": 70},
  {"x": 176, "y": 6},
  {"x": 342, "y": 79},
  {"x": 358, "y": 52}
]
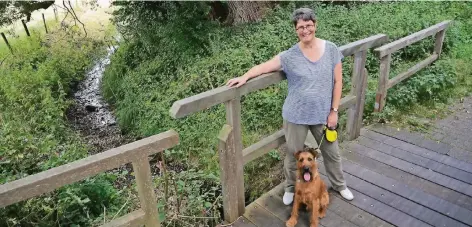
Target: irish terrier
[{"x": 309, "y": 189}]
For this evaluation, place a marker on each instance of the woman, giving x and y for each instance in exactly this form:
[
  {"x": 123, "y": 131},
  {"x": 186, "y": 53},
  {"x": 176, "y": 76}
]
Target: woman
[{"x": 314, "y": 74}]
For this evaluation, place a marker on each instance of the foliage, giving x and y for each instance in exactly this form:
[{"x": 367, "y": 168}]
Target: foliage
[
  {"x": 11, "y": 11},
  {"x": 35, "y": 90},
  {"x": 165, "y": 58}
]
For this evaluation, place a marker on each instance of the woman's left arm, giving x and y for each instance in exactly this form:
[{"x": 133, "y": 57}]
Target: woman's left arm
[{"x": 337, "y": 92}]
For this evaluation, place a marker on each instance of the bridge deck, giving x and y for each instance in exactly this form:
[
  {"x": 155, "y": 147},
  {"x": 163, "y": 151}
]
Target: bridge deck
[{"x": 398, "y": 178}]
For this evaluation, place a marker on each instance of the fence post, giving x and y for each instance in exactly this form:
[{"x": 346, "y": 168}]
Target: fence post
[
  {"x": 231, "y": 162},
  {"x": 45, "y": 27},
  {"x": 6, "y": 42},
  {"x": 381, "y": 97},
  {"x": 147, "y": 198},
  {"x": 439, "y": 42},
  {"x": 358, "y": 89},
  {"x": 55, "y": 14},
  {"x": 26, "y": 28}
]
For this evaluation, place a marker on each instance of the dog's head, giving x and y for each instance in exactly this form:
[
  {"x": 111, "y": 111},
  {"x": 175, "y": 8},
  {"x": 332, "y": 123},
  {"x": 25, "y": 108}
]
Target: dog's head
[{"x": 306, "y": 163}]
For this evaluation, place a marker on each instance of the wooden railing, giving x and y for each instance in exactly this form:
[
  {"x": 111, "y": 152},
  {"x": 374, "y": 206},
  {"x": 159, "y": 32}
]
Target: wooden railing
[
  {"x": 232, "y": 156},
  {"x": 136, "y": 153},
  {"x": 385, "y": 55}
]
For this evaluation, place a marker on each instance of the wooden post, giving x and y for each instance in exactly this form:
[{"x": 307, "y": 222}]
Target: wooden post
[
  {"x": 231, "y": 162},
  {"x": 439, "y": 42},
  {"x": 55, "y": 14},
  {"x": 6, "y": 42},
  {"x": 146, "y": 194},
  {"x": 45, "y": 27},
  {"x": 358, "y": 89},
  {"x": 381, "y": 97},
  {"x": 26, "y": 28}
]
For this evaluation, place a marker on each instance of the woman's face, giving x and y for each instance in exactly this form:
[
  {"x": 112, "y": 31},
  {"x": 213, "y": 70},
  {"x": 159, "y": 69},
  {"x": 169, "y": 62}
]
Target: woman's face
[{"x": 305, "y": 30}]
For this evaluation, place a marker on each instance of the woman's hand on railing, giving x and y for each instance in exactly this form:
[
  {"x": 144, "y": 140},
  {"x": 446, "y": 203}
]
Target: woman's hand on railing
[{"x": 238, "y": 81}]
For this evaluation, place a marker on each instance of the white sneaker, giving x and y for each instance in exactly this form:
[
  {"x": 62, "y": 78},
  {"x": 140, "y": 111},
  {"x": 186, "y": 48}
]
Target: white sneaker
[
  {"x": 347, "y": 194},
  {"x": 288, "y": 198}
]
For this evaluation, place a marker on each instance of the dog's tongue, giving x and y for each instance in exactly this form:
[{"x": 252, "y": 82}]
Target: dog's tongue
[{"x": 307, "y": 176}]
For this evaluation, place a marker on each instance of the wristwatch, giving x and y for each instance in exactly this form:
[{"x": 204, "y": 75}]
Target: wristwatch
[{"x": 334, "y": 109}]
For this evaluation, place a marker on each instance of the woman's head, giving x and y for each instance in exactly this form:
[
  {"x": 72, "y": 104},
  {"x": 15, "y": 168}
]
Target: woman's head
[{"x": 304, "y": 20}]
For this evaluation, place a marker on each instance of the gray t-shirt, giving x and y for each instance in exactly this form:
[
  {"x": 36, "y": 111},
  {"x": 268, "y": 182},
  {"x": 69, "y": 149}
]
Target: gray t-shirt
[{"x": 310, "y": 84}]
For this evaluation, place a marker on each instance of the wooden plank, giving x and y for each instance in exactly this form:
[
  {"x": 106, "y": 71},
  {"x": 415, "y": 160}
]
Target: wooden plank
[
  {"x": 381, "y": 210},
  {"x": 404, "y": 75},
  {"x": 423, "y": 152},
  {"x": 410, "y": 180},
  {"x": 402, "y": 204},
  {"x": 417, "y": 160},
  {"x": 460, "y": 154},
  {"x": 135, "y": 218},
  {"x": 45, "y": 26},
  {"x": 264, "y": 146},
  {"x": 413, "y": 138},
  {"x": 273, "y": 203},
  {"x": 410, "y": 39},
  {"x": 230, "y": 179},
  {"x": 342, "y": 208},
  {"x": 358, "y": 89},
  {"x": 202, "y": 101},
  {"x": 54, "y": 178},
  {"x": 240, "y": 222},
  {"x": 261, "y": 217},
  {"x": 439, "y": 40},
  {"x": 381, "y": 96},
  {"x": 419, "y": 171},
  {"x": 418, "y": 196},
  {"x": 363, "y": 44},
  {"x": 147, "y": 198}
]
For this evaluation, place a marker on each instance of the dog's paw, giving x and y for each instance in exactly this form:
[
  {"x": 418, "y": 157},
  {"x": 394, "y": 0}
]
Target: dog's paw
[
  {"x": 322, "y": 215},
  {"x": 291, "y": 222}
]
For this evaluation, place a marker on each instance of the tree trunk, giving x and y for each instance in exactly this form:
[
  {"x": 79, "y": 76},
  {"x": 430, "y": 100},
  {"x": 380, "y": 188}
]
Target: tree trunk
[{"x": 245, "y": 11}]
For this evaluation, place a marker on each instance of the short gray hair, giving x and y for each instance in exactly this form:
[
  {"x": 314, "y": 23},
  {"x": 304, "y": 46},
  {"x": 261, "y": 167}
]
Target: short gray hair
[{"x": 304, "y": 14}]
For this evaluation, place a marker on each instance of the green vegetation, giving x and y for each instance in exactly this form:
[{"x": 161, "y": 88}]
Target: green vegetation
[
  {"x": 166, "y": 60},
  {"x": 35, "y": 92}
]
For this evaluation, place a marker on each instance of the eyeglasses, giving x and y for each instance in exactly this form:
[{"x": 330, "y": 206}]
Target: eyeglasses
[{"x": 308, "y": 27}]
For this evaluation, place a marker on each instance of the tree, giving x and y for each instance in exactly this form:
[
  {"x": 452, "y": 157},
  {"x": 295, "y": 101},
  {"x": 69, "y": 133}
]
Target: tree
[
  {"x": 11, "y": 11},
  {"x": 246, "y": 11}
]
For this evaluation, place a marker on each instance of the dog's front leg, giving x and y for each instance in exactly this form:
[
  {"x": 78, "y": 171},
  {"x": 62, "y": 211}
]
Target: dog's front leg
[
  {"x": 315, "y": 213},
  {"x": 294, "y": 217}
]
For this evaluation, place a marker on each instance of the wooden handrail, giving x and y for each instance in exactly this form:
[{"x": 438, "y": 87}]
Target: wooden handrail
[
  {"x": 135, "y": 152},
  {"x": 385, "y": 55},
  {"x": 204, "y": 100},
  {"x": 410, "y": 39}
]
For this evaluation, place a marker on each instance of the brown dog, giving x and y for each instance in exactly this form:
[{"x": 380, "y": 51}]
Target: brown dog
[{"x": 309, "y": 189}]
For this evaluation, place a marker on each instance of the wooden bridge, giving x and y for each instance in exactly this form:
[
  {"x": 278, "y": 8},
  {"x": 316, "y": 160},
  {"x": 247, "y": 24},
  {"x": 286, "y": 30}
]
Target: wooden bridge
[{"x": 398, "y": 178}]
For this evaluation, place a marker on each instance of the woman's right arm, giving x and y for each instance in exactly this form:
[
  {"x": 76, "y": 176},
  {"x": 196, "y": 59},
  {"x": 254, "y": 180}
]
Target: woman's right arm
[{"x": 272, "y": 65}]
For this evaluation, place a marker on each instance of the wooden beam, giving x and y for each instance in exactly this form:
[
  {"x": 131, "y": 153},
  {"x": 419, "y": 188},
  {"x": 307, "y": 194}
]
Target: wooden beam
[
  {"x": 6, "y": 42},
  {"x": 264, "y": 146},
  {"x": 346, "y": 102},
  {"x": 204, "y": 100},
  {"x": 363, "y": 44},
  {"x": 25, "y": 27},
  {"x": 147, "y": 198},
  {"x": 381, "y": 95},
  {"x": 135, "y": 218},
  {"x": 231, "y": 176},
  {"x": 439, "y": 40},
  {"x": 413, "y": 38},
  {"x": 402, "y": 76},
  {"x": 359, "y": 84},
  {"x": 54, "y": 178}
]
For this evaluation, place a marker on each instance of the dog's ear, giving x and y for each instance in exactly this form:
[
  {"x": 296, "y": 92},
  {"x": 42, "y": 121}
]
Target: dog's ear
[
  {"x": 296, "y": 154},
  {"x": 313, "y": 151}
]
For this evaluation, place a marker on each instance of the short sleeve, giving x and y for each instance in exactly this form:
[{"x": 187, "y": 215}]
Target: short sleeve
[
  {"x": 338, "y": 56},
  {"x": 283, "y": 59}
]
